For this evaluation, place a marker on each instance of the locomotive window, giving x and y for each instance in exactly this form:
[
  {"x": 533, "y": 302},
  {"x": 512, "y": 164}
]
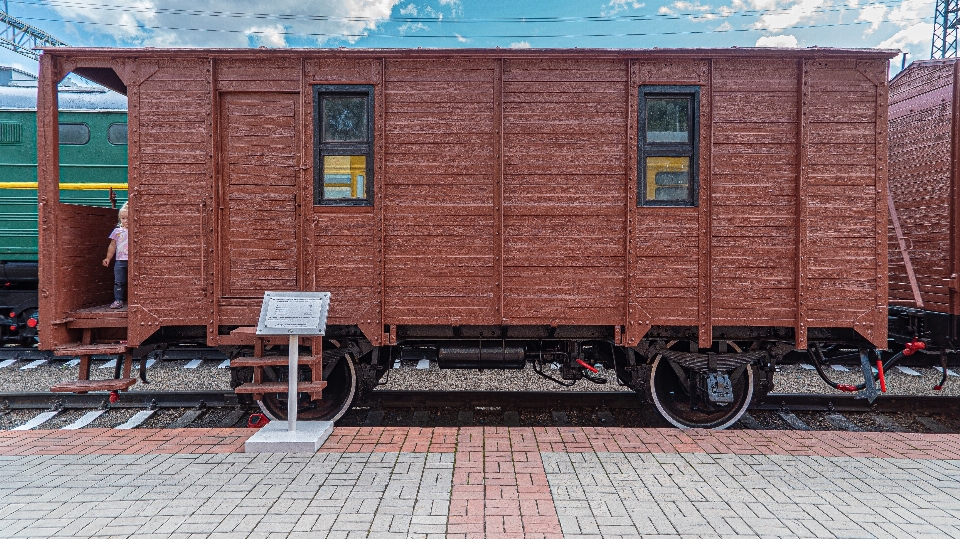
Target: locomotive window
[
  {"x": 668, "y": 145},
  {"x": 117, "y": 134},
  {"x": 343, "y": 144},
  {"x": 74, "y": 134}
]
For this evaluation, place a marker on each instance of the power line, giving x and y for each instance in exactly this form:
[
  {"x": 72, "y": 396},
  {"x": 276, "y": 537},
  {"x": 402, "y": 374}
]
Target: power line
[
  {"x": 444, "y": 36},
  {"x": 706, "y": 15}
]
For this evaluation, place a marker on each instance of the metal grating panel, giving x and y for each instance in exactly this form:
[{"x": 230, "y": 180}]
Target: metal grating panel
[{"x": 11, "y": 133}]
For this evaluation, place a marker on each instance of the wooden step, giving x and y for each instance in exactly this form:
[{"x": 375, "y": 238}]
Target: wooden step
[
  {"x": 101, "y": 316},
  {"x": 77, "y": 349},
  {"x": 85, "y": 386},
  {"x": 313, "y": 388},
  {"x": 272, "y": 361}
]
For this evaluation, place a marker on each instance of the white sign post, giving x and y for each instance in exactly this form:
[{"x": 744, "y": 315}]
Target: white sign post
[{"x": 295, "y": 314}]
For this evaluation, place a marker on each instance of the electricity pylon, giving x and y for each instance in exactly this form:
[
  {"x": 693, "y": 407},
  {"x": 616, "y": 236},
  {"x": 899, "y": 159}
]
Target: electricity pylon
[
  {"x": 945, "y": 29},
  {"x": 22, "y": 38}
]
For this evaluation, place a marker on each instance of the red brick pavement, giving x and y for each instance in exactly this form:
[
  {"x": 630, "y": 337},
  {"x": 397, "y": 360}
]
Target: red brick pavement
[{"x": 498, "y": 440}]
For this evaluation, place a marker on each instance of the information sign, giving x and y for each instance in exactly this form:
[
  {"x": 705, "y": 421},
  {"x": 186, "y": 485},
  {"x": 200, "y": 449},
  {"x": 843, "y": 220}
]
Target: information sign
[{"x": 294, "y": 313}]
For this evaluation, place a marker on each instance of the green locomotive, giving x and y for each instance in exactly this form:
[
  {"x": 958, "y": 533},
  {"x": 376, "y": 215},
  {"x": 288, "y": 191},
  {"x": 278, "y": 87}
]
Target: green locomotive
[{"x": 93, "y": 165}]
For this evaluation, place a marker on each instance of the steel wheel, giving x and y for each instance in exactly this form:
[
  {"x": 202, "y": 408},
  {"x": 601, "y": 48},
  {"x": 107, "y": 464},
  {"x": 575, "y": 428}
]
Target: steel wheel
[
  {"x": 674, "y": 404},
  {"x": 336, "y": 399}
]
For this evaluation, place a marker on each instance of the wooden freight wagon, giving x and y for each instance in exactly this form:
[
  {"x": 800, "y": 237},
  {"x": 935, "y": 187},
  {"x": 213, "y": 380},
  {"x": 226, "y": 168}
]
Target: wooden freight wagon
[
  {"x": 686, "y": 216},
  {"x": 924, "y": 160}
]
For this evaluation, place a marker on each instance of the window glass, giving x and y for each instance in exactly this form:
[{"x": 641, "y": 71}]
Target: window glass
[
  {"x": 667, "y": 120},
  {"x": 667, "y": 145},
  {"x": 74, "y": 134},
  {"x": 343, "y": 136},
  {"x": 117, "y": 134},
  {"x": 668, "y": 178},
  {"x": 344, "y": 176},
  {"x": 344, "y": 119}
]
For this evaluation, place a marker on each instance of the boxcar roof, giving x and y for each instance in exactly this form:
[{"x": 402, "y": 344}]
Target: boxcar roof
[
  {"x": 109, "y": 79},
  {"x": 734, "y": 51}
]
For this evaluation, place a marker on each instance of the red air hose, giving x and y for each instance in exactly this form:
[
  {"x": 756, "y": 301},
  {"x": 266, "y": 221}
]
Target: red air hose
[
  {"x": 883, "y": 382},
  {"x": 587, "y": 366}
]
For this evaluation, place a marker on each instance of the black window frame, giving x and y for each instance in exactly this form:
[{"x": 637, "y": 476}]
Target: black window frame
[
  {"x": 61, "y": 138},
  {"x": 126, "y": 135},
  {"x": 321, "y": 148},
  {"x": 690, "y": 148}
]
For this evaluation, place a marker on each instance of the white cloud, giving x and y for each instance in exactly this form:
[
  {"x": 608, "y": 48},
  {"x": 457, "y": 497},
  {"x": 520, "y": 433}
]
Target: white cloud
[
  {"x": 725, "y": 27},
  {"x": 410, "y": 27},
  {"x": 409, "y": 10},
  {"x": 916, "y": 10},
  {"x": 456, "y": 8},
  {"x": 918, "y": 33},
  {"x": 520, "y": 45},
  {"x": 168, "y": 23},
  {"x": 462, "y": 39},
  {"x": 756, "y": 4},
  {"x": 785, "y": 18},
  {"x": 267, "y": 36},
  {"x": 616, "y": 6},
  {"x": 875, "y": 14},
  {"x": 691, "y": 6},
  {"x": 785, "y": 41}
]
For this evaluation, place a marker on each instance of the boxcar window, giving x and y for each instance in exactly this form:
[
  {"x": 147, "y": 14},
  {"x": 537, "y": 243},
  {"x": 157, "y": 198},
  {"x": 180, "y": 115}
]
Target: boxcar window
[
  {"x": 343, "y": 142},
  {"x": 74, "y": 134},
  {"x": 117, "y": 134},
  {"x": 668, "y": 145}
]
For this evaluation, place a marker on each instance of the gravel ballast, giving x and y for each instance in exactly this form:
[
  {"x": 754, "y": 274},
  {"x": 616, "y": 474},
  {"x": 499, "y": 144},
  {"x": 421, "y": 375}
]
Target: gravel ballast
[{"x": 171, "y": 375}]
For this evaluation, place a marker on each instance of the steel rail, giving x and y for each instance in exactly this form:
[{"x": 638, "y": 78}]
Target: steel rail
[
  {"x": 504, "y": 400},
  {"x": 128, "y": 399}
]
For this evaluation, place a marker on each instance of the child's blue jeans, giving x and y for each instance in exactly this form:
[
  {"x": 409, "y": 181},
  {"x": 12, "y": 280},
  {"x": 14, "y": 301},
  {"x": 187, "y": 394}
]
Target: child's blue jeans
[{"x": 120, "y": 280}]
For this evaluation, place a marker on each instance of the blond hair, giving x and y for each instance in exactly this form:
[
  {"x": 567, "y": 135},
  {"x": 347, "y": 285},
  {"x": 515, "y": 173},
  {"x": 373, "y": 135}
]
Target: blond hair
[{"x": 123, "y": 209}]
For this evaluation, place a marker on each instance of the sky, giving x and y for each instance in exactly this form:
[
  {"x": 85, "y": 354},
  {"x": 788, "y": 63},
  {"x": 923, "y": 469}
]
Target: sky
[{"x": 906, "y": 25}]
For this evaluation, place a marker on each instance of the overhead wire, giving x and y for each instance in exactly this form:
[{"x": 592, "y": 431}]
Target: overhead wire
[
  {"x": 697, "y": 16},
  {"x": 440, "y": 19}
]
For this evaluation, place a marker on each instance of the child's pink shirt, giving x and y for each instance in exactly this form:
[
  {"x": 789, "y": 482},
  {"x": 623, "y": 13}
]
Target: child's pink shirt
[{"x": 120, "y": 235}]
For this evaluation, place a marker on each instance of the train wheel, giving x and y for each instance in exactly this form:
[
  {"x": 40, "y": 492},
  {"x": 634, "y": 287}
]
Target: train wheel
[
  {"x": 668, "y": 394},
  {"x": 336, "y": 399}
]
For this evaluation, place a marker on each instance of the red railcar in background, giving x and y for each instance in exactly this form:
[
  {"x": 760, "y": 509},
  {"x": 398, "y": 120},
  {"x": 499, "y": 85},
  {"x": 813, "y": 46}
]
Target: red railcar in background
[
  {"x": 925, "y": 216},
  {"x": 684, "y": 216}
]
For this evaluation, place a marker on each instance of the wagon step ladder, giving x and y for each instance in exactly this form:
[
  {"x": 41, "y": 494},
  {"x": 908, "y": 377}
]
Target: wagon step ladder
[
  {"x": 258, "y": 361},
  {"x": 85, "y": 350}
]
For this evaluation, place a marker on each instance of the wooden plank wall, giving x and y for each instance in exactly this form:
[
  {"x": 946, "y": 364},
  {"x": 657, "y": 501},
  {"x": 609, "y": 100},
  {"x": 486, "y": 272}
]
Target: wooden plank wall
[
  {"x": 83, "y": 281},
  {"x": 171, "y": 183},
  {"x": 564, "y": 194},
  {"x": 438, "y": 187},
  {"x": 346, "y": 242},
  {"x": 665, "y": 281},
  {"x": 843, "y": 248},
  {"x": 921, "y": 115},
  {"x": 754, "y": 192},
  {"x": 259, "y": 183}
]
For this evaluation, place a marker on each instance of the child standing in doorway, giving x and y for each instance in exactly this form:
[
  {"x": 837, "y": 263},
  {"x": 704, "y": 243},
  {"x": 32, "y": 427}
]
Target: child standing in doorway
[{"x": 119, "y": 240}]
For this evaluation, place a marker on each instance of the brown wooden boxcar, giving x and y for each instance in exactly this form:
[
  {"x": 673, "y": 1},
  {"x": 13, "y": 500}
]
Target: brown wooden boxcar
[
  {"x": 924, "y": 156},
  {"x": 627, "y": 207}
]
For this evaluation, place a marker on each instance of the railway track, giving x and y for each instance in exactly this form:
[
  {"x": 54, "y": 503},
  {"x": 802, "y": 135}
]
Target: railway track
[{"x": 161, "y": 409}]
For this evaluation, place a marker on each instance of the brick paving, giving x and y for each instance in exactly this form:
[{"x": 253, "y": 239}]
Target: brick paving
[{"x": 466, "y": 483}]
